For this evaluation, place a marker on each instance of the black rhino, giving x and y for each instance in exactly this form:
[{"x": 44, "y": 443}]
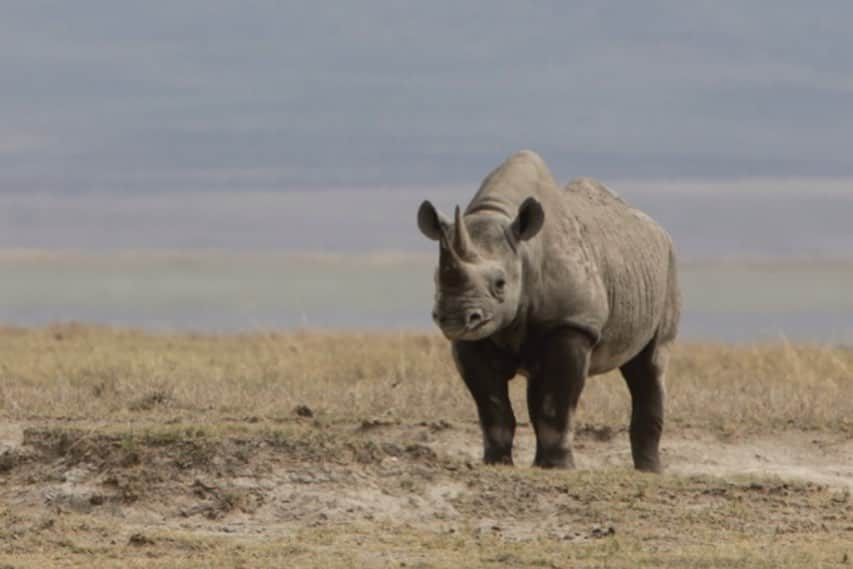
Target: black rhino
[{"x": 556, "y": 284}]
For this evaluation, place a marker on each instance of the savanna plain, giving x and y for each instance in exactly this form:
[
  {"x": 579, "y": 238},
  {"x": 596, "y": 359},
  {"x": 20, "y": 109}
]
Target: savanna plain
[{"x": 121, "y": 448}]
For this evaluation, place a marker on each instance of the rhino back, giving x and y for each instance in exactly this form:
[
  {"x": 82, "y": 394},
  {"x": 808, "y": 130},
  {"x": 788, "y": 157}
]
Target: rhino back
[{"x": 634, "y": 259}]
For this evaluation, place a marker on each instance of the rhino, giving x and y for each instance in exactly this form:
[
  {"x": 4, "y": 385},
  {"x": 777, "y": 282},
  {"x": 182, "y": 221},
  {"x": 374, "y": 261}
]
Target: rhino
[{"x": 556, "y": 284}]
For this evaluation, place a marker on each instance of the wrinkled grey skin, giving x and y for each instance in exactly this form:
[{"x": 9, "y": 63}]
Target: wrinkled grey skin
[{"x": 556, "y": 284}]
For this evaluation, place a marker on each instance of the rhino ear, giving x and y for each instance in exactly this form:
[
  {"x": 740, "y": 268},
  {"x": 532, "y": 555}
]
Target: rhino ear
[
  {"x": 431, "y": 222},
  {"x": 530, "y": 219}
]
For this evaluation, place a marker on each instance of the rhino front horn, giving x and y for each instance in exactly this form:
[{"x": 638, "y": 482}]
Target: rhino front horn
[{"x": 461, "y": 239}]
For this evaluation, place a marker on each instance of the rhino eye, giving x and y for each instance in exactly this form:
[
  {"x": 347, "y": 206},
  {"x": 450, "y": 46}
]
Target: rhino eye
[{"x": 499, "y": 288}]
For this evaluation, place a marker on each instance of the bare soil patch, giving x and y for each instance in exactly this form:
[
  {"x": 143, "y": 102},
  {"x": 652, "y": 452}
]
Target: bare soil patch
[{"x": 325, "y": 491}]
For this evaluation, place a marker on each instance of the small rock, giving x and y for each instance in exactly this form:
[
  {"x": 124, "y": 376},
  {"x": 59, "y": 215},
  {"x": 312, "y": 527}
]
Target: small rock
[
  {"x": 419, "y": 451},
  {"x": 45, "y": 524},
  {"x": 374, "y": 423},
  {"x": 600, "y": 532},
  {"x": 8, "y": 460},
  {"x": 304, "y": 411},
  {"x": 139, "y": 540}
]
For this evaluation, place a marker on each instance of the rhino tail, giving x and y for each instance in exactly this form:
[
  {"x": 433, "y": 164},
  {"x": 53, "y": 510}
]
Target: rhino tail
[{"x": 668, "y": 328}]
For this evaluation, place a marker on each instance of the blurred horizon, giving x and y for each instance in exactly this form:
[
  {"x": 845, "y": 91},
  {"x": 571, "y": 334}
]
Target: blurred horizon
[
  {"x": 751, "y": 219},
  {"x": 222, "y": 140},
  {"x": 756, "y": 265}
]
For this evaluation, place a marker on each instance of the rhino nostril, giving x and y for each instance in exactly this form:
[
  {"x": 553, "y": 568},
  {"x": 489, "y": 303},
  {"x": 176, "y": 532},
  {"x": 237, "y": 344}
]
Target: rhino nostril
[
  {"x": 474, "y": 318},
  {"x": 435, "y": 315}
]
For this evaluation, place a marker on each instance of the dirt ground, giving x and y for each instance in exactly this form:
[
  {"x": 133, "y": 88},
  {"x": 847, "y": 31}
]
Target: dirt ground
[{"x": 385, "y": 492}]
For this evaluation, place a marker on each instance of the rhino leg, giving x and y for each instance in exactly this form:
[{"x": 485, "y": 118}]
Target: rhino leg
[
  {"x": 487, "y": 372},
  {"x": 553, "y": 393},
  {"x": 644, "y": 375}
]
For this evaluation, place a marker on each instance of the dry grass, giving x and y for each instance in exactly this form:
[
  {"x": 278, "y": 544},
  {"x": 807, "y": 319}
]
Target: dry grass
[
  {"x": 73, "y": 371},
  {"x": 183, "y": 450}
]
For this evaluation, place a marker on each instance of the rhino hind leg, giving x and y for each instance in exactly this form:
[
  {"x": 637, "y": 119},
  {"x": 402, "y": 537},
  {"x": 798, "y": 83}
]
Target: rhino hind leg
[
  {"x": 645, "y": 378},
  {"x": 553, "y": 394},
  {"x": 486, "y": 373}
]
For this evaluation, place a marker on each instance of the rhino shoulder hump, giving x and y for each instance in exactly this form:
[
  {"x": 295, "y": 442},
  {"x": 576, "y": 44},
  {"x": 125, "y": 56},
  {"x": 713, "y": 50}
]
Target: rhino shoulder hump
[
  {"x": 592, "y": 189},
  {"x": 528, "y": 156}
]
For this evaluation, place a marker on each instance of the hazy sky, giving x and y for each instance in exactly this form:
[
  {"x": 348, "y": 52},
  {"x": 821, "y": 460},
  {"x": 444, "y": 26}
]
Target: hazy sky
[{"x": 170, "y": 95}]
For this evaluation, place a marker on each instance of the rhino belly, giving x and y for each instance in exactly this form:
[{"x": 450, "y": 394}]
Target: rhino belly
[
  {"x": 635, "y": 314},
  {"x": 611, "y": 354}
]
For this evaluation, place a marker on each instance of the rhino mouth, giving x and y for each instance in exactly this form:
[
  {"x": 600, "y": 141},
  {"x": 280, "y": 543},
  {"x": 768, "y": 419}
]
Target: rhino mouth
[
  {"x": 480, "y": 324},
  {"x": 472, "y": 331}
]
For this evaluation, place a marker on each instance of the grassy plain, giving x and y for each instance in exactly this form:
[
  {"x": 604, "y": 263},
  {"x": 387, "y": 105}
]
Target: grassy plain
[{"x": 121, "y": 448}]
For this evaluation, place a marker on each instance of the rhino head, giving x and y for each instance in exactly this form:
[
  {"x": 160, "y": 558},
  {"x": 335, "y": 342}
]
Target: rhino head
[{"x": 478, "y": 282}]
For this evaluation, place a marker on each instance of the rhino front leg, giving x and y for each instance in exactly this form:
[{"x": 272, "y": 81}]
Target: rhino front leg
[
  {"x": 644, "y": 375},
  {"x": 487, "y": 372},
  {"x": 553, "y": 394}
]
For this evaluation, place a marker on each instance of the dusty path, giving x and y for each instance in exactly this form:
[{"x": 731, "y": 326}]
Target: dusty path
[{"x": 814, "y": 456}]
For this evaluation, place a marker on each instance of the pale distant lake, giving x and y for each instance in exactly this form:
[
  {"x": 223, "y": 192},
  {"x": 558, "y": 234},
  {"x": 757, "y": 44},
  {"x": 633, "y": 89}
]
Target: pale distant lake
[
  {"x": 731, "y": 301},
  {"x": 761, "y": 260}
]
